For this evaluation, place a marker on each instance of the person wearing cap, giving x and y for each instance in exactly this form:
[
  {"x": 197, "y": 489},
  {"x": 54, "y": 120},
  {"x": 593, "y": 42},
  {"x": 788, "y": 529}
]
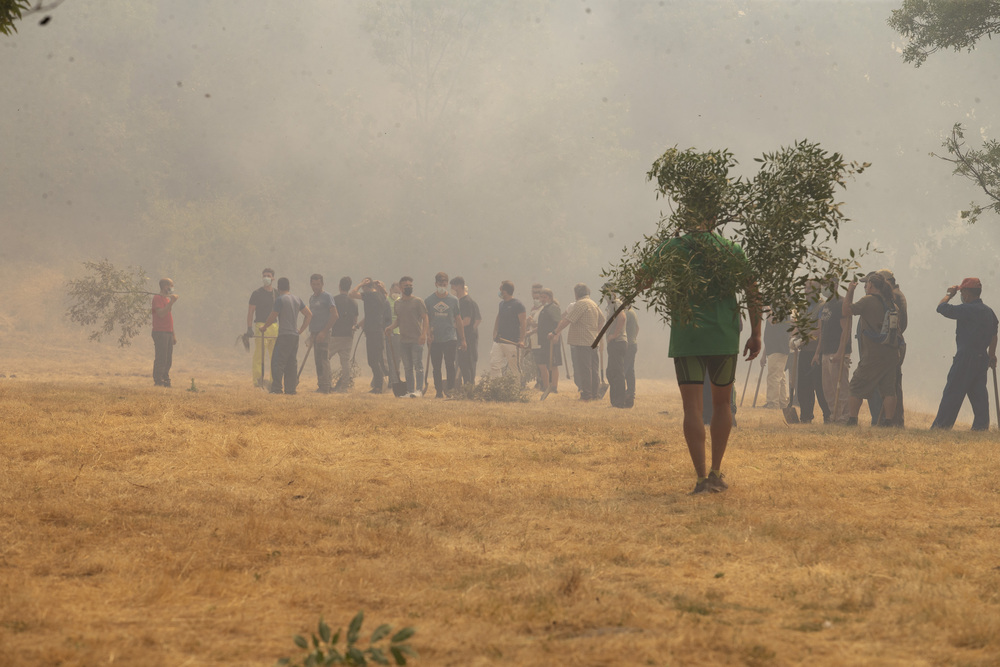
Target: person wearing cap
[
  {"x": 875, "y": 400},
  {"x": 878, "y": 363},
  {"x": 976, "y": 340}
]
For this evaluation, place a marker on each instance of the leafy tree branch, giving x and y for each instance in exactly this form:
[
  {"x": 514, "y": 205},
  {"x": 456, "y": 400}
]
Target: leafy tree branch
[
  {"x": 935, "y": 25},
  {"x": 982, "y": 167},
  {"x": 786, "y": 218}
]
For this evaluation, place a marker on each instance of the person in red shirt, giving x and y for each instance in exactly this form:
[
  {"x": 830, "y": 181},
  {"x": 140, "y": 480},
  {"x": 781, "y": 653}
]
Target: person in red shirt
[{"x": 163, "y": 332}]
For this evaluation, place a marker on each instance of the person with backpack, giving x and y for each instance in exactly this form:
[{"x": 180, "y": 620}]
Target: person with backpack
[
  {"x": 878, "y": 343},
  {"x": 976, "y": 339}
]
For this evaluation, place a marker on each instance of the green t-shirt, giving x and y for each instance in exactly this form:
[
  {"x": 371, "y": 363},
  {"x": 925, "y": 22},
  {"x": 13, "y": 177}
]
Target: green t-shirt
[{"x": 715, "y": 327}]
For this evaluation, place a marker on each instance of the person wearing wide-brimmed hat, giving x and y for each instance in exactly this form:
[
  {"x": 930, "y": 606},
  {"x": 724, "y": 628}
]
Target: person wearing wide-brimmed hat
[
  {"x": 878, "y": 363},
  {"x": 976, "y": 339}
]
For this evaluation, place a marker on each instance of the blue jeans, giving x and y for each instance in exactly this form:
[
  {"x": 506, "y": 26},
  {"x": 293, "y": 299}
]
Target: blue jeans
[{"x": 413, "y": 365}]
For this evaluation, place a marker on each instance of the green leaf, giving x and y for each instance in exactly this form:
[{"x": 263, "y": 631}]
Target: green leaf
[
  {"x": 380, "y": 632},
  {"x": 355, "y": 628},
  {"x": 378, "y": 656},
  {"x": 324, "y": 631},
  {"x": 397, "y": 655},
  {"x": 403, "y": 635},
  {"x": 356, "y": 656},
  {"x": 301, "y": 642}
]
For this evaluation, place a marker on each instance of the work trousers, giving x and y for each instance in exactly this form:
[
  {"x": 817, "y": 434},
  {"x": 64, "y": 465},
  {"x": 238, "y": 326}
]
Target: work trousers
[
  {"x": 163, "y": 357},
  {"x": 445, "y": 351},
  {"x": 586, "y": 371},
  {"x": 395, "y": 352},
  {"x": 375, "y": 349},
  {"x": 809, "y": 388},
  {"x": 875, "y": 400},
  {"x": 633, "y": 349},
  {"x": 504, "y": 357},
  {"x": 836, "y": 379},
  {"x": 967, "y": 377},
  {"x": 777, "y": 385},
  {"x": 413, "y": 366},
  {"x": 341, "y": 347},
  {"x": 468, "y": 358},
  {"x": 321, "y": 353},
  {"x": 617, "y": 351},
  {"x": 283, "y": 364},
  {"x": 262, "y": 350}
]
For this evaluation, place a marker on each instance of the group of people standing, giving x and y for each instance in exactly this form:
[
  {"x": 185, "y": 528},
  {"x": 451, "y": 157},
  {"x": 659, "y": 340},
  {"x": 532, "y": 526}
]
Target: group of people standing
[
  {"x": 397, "y": 326},
  {"x": 820, "y": 360}
]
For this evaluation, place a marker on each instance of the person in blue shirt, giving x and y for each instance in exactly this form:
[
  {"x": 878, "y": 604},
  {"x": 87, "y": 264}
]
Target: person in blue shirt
[{"x": 976, "y": 339}]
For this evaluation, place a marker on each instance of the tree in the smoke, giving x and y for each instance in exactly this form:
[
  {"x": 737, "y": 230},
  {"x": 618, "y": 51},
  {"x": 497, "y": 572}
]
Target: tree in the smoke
[{"x": 110, "y": 298}]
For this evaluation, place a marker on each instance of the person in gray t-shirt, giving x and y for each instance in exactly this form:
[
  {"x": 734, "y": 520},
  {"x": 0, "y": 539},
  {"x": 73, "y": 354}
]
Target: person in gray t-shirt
[
  {"x": 325, "y": 315},
  {"x": 447, "y": 333},
  {"x": 283, "y": 361}
]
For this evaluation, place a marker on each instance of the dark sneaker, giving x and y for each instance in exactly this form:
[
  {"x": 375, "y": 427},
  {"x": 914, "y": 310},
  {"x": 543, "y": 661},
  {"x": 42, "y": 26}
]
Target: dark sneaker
[
  {"x": 700, "y": 487},
  {"x": 715, "y": 482}
]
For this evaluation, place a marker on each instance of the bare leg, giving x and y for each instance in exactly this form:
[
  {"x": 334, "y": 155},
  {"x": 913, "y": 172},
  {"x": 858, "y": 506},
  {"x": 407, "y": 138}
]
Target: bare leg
[
  {"x": 722, "y": 423},
  {"x": 694, "y": 429}
]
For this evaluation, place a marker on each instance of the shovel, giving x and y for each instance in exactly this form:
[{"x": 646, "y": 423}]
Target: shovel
[
  {"x": 996, "y": 395},
  {"x": 746, "y": 383},
  {"x": 756, "y": 392},
  {"x": 304, "y": 359},
  {"x": 789, "y": 412}
]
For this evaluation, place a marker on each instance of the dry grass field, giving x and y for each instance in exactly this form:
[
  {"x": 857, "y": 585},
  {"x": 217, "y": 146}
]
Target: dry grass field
[{"x": 142, "y": 526}]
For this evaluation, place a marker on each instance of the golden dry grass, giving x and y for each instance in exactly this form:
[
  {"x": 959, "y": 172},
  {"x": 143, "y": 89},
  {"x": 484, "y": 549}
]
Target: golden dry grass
[{"x": 142, "y": 526}]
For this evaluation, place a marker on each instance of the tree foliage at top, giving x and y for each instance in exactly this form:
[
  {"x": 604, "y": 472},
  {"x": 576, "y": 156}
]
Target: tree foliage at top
[
  {"x": 786, "y": 218},
  {"x": 10, "y": 11},
  {"x": 110, "y": 298},
  {"x": 15, "y": 10},
  {"x": 935, "y": 25}
]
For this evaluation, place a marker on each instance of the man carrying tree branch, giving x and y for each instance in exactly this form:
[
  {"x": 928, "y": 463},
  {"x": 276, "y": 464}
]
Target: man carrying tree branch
[
  {"x": 708, "y": 344},
  {"x": 164, "y": 338}
]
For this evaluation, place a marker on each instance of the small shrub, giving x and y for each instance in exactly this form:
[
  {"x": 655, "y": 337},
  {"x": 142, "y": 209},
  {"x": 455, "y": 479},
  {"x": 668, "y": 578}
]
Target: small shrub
[
  {"x": 324, "y": 651},
  {"x": 503, "y": 389}
]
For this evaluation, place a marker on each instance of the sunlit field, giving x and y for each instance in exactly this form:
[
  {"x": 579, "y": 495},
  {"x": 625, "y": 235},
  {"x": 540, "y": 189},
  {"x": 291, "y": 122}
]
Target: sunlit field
[{"x": 147, "y": 526}]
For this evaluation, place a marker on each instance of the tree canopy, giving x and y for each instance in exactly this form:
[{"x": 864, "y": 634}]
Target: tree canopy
[
  {"x": 933, "y": 25},
  {"x": 10, "y": 11},
  {"x": 786, "y": 218}
]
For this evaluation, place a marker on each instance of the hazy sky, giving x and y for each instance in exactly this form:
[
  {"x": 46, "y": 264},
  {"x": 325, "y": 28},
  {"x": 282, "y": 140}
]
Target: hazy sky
[{"x": 505, "y": 139}]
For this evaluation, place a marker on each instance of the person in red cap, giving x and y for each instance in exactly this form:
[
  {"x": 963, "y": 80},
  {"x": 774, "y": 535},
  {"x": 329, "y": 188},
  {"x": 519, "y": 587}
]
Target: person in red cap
[{"x": 976, "y": 338}]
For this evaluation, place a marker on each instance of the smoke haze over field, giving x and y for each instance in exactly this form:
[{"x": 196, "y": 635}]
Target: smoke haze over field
[{"x": 494, "y": 140}]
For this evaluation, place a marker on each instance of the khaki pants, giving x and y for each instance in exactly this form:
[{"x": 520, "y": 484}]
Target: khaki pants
[
  {"x": 777, "y": 385},
  {"x": 837, "y": 400},
  {"x": 263, "y": 347},
  {"x": 341, "y": 346}
]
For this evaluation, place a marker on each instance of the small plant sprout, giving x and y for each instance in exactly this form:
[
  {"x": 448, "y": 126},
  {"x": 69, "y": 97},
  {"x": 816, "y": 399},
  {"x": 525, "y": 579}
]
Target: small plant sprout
[{"x": 322, "y": 649}]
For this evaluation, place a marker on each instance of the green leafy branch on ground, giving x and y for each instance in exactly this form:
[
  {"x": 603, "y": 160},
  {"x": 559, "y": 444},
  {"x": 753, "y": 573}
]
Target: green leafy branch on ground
[
  {"x": 324, "y": 642},
  {"x": 111, "y": 298},
  {"x": 498, "y": 389},
  {"x": 786, "y": 218}
]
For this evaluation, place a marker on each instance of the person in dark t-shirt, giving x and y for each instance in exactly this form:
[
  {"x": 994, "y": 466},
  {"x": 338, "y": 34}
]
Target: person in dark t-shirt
[
  {"x": 261, "y": 304},
  {"x": 471, "y": 317},
  {"x": 508, "y": 332},
  {"x": 342, "y": 334},
  {"x": 373, "y": 296}
]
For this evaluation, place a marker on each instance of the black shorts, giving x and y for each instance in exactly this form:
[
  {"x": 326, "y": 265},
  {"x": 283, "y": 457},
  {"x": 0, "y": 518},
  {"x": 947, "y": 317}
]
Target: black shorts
[{"x": 720, "y": 368}]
